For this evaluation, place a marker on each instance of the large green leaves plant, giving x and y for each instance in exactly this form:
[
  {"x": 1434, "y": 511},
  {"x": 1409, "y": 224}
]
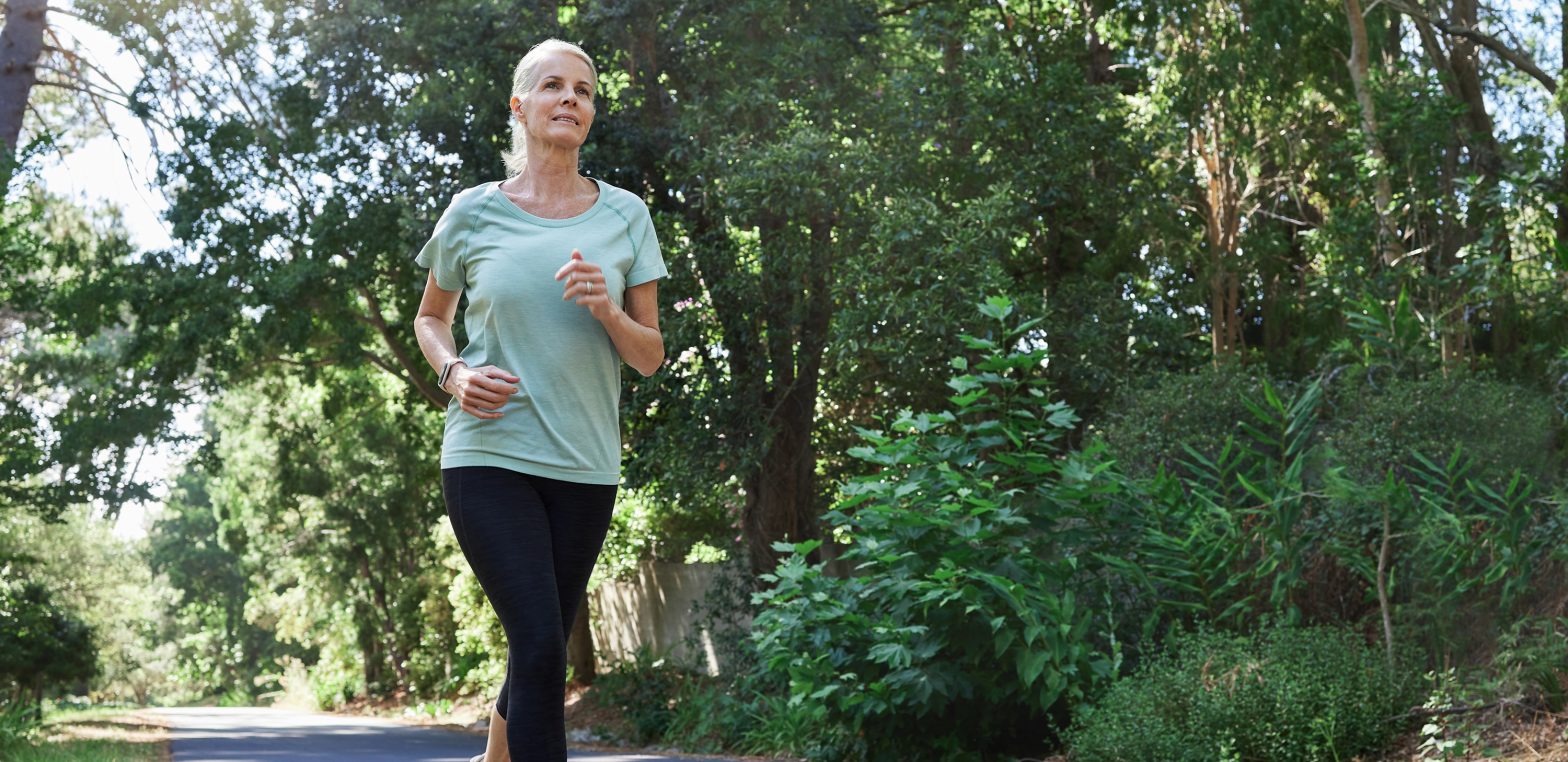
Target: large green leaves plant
[{"x": 964, "y": 616}]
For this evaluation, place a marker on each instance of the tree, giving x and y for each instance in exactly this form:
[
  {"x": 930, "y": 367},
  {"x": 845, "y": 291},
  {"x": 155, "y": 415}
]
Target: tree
[
  {"x": 21, "y": 45},
  {"x": 41, "y": 645},
  {"x": 219, "y": 649},
  {"x": 1460, "y": 23}
]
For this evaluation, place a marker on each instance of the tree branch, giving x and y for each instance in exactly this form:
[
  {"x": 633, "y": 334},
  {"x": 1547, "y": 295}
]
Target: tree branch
[
  {"x": 412, "y": 374},
  {"x": 1518, "y": 59},
  {"x": 53, "y": 8}
]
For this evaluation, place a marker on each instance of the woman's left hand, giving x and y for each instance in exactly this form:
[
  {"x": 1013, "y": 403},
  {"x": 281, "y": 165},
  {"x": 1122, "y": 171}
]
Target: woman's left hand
[{"x": 585, "y": 284}]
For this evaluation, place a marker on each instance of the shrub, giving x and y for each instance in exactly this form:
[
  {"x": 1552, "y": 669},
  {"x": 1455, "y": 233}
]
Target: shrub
[
  {"x": 1281, "y": 695},
  {"x": 966, "y": 623},
  {"x": 644, "y": 690},
  {"x": 1379, "y": 419},
  {"x": 18, "y": 724},
  {"x": 42, "y": 644},
  {"x": 1151, "y": 427},
  {"x": 1372, "y": 417}
]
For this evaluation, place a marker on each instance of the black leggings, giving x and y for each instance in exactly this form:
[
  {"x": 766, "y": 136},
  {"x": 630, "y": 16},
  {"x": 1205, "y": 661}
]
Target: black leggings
[{"x": 532, "y": 543}]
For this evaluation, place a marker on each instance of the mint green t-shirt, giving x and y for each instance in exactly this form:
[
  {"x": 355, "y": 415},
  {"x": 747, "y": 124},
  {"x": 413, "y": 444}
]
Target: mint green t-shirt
[{"x": 564, "y": 421}]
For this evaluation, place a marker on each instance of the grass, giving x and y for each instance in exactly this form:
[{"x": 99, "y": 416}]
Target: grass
[{"x": 100, "y": 735}]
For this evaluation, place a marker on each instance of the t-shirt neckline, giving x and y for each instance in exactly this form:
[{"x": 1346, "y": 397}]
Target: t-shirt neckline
[{"x": 535, "y": 219}]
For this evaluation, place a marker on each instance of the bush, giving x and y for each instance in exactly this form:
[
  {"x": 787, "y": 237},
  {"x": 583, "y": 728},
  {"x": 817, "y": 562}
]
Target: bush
[
  {"x": 970, "y": 619},
  {"x": 1282, "y": 695},
  {"x": 1372, "y": 417},
  {"x": 42, "y": 644},
  {"x": 644, "y": 690},
  {"x": 1150, "y": 427},
  {"x": 1378, "y": 420},
  {"x": 18, "y": 724}
]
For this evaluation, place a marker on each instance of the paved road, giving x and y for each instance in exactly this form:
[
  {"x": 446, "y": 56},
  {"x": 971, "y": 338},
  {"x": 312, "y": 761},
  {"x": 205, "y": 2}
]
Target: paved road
[{"x": 203, "y": 734}]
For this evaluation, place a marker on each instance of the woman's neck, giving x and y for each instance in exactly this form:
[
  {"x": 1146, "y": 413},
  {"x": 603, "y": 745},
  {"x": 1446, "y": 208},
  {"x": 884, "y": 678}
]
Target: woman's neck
[{"x": 548, "y": 174}]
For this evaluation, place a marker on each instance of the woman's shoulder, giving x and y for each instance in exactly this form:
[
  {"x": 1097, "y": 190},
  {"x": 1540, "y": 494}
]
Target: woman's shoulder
[
  {"x": 467, "y": 202},
  {"x": 622, "y": 200},
  {"x": 470, "y": 199}
]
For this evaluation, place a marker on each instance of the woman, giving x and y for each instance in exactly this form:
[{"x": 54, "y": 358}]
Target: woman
[{"x": 562, "y": 274}]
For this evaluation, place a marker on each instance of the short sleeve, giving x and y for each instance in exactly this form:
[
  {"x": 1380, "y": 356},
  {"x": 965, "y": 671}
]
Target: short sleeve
[
  {"x": 443, "y": 253},
  {"x": 648, "y": 263}
]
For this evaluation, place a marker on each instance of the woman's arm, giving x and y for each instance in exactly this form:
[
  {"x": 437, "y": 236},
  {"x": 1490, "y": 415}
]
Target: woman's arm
[
  {"x": 433, "y": 324},
  {"x": 634, "y": 329},
  {"x": 480, "y": 392}
]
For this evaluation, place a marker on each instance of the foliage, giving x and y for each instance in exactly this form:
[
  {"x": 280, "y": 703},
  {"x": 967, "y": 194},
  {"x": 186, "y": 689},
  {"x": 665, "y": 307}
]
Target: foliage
[
  {"x": 1532, "y": 661},
  {"x": 1371, "y": 411},
  {"x": 1162, "y": 420},
  {"x": 479, "y": 662},
  {"x": 1282, "y": 694},
  {"x": 1228, "y": 540},
  {"x": 1450, "y": 732},
  {"x": 41, "y": 645},
  {"x": 724, "y": 617},
  {"x": 74, "y": 416},
  {"x": 644, "y": 528},
  {"x": 100, "y": 582},
  {"x": 1381, "y": 418},
  {"x": 1280, "y": 522},
  {"x": 965, "y": 561},
  {"x": 18, "y": 725},
  {"x": 834, "y": 184},
  {"x": 1467, "y": 555},
  {"x": 644, "y": 689},
  {"x": 218, "y": 650}
]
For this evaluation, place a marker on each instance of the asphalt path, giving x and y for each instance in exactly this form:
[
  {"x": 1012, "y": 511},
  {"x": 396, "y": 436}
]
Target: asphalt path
[{"x": 221, "y": 734}]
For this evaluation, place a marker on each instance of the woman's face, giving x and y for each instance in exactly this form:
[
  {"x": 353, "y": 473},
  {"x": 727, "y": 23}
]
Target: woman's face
[{"x": 559, "y": 108}]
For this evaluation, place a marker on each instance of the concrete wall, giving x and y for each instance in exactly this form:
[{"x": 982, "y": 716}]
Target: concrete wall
[{"x": 654, "y": 609}]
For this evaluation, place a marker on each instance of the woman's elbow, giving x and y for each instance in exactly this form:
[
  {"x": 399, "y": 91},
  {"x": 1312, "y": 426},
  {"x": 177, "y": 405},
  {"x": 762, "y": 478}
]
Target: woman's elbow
[{"x": 651, "y": 365}]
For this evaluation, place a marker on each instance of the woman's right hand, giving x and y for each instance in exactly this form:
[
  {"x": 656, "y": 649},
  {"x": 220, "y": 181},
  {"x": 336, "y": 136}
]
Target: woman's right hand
[{"x": 481, "y": 391}]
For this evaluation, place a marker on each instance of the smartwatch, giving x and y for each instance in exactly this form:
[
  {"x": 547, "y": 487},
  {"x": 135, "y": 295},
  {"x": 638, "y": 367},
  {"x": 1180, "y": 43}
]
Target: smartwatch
[{"x": 446, "y": 371}]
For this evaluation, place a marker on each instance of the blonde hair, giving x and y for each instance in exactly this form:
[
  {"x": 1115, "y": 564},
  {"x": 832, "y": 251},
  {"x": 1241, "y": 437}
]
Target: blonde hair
[{"x": 524, "y": 77}]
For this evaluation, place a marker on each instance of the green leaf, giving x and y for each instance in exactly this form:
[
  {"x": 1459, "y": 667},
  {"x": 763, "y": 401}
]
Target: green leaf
[
  {"x": 997, "y": 307},
  {"x": 1030, "y": 665}
]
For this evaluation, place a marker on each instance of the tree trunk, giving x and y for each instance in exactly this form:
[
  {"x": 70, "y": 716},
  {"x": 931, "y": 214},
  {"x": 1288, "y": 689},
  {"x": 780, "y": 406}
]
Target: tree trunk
[
  {"x": 1391, "y": 249},
  {"x": 1472, "y": 135},
  {"x": 1222, "y": 208},
  {"x": 21, "y": 44},
  {"x": 579, "y": 646},
  {"x": 1481, "y": 132},
  {"x": 781, "y": 494},
  {"x": 1562, "y": 151},
  {"x": 389, "y": 635}
]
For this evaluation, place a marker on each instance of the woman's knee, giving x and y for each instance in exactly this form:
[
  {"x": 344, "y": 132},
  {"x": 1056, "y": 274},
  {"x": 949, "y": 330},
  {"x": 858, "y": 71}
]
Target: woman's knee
[{"x": 537, "y": 656}]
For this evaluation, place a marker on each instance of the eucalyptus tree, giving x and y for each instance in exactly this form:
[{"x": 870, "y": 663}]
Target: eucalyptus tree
[{"x": 21, "y": 46}]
